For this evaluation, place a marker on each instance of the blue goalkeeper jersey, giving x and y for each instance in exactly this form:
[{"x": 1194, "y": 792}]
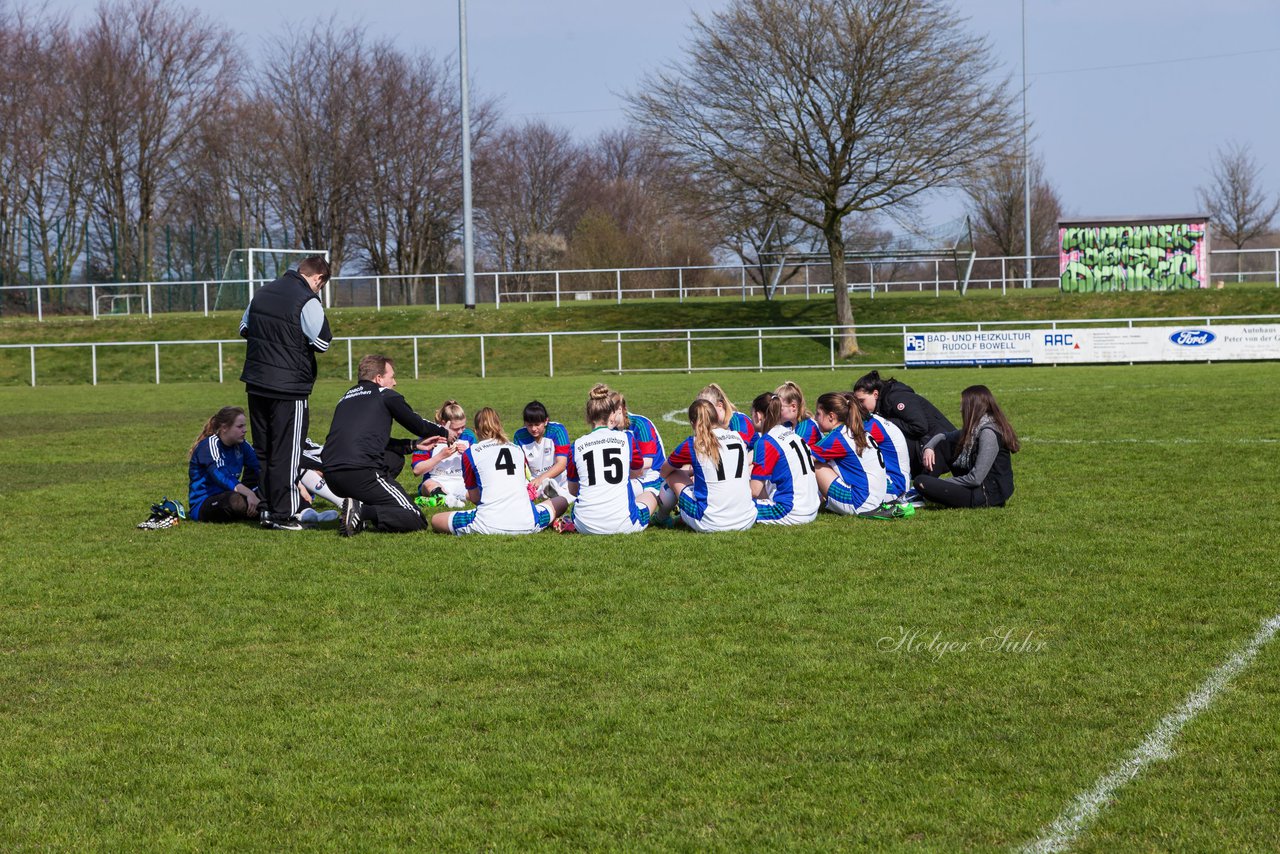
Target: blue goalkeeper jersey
[{"x": 216, "y": 468}]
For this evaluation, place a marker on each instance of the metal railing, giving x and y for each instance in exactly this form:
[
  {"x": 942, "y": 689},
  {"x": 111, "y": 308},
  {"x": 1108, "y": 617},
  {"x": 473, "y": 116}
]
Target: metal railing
[
  {"x": 628, "y": 348},
  {"x": 869, "y": 276}
]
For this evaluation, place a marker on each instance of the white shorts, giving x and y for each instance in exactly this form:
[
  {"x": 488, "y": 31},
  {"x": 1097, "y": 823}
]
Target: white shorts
[
  {"x": 767, "y": 513},
  {"x": 470, "y": 522}
]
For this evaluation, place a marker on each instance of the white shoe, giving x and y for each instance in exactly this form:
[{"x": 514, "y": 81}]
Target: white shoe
[{"x": 453, "y": 502}]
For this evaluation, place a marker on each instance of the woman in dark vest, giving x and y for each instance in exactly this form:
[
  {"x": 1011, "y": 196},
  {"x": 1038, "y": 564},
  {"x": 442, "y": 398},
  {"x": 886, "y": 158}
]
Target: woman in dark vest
[{"x": 982, "y": 466}]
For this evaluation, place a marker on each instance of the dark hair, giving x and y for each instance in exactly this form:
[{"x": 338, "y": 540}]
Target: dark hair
[
  {"x": 977, "y": 401},
  {"x": 535, "y": 412},
  {"x": 313, "y": 264},
  {"x": 769, "y": 405},
  {"x": 843, "y": 406},
  {"x": 871, "y": 383},
  {"x": 372, "y": 365}
]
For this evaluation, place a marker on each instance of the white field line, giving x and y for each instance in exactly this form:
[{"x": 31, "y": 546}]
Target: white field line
[
  {"x": 1060, "y": 835},
  {"x": 677, "y": 416}
]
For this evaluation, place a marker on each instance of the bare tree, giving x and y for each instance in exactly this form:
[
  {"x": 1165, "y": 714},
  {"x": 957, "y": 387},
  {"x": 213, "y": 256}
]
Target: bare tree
[
  {"x": 830, "y": 107},
  {"x": 1234, "y": 200},
  {"x": 524, "y": 195},
  {"x": 319, "y": 84},
  {"x": 997, "y": 205},
  {"x": 156, "y": 72},
  {"x": 410, "y": 212}
]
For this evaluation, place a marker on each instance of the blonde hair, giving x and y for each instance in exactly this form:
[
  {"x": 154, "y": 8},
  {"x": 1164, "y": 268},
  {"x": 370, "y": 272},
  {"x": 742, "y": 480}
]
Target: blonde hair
[
  {"x": 601, "y": 403},
  {"x": 843, "y": 406},
  {"x": 450, "y": 410},
  {"x": 789, "y": 392},
  {"x": 704, "y": 419},
  {"x": 489, "y": 425},
  {"x": 224, "y": 417},
  {"x": 714, "y": 395}
]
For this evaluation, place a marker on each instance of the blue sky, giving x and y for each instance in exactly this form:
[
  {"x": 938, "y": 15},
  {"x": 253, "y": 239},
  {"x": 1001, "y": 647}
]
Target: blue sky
[{"x": 1129, "y": 99}]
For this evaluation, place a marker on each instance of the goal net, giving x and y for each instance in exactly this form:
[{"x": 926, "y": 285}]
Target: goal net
[{"x": 248, "y": 269}]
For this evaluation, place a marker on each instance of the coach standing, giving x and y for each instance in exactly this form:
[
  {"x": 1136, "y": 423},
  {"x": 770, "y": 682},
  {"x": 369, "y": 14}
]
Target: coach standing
[
  {"x": 285, "y": 327},
  {"x": 360, "y": 458}
]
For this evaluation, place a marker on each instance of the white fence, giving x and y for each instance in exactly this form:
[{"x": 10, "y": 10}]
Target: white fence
[
  {"x": 905, "y": 273},
  {"x": 628, "y": 348}
]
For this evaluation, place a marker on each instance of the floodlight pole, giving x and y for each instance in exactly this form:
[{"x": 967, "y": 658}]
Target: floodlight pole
[
  {"x": 1026, "y": 160},
  {"x": 468, "y": 248}
]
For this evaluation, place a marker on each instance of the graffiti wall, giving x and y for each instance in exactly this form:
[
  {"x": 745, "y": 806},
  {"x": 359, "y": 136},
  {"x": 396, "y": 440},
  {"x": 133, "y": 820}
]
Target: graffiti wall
[{"x": 1133, "y": 255}]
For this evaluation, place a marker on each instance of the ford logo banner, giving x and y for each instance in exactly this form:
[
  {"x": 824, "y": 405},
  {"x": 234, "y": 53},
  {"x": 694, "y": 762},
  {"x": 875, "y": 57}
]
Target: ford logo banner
[{"x": 1192, "y": 337}]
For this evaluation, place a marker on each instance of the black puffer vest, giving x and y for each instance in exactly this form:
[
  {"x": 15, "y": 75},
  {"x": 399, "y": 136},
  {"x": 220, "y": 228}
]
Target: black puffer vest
[{"x": 279, "y": 361}]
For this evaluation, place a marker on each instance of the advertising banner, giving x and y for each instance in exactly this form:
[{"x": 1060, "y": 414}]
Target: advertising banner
[
  {"x": 1091, "y": 346},
  {"x": 1153, "y": 254}
]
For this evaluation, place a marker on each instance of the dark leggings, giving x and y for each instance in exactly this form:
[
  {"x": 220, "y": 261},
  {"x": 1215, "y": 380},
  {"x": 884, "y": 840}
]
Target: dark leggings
[
  {"x": 951, "y": 494},
  {"x": 224, "y": 507}
]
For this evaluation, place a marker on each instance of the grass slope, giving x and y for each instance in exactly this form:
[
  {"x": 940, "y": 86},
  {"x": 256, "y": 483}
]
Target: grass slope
[
  {"x": 585, "y": 354},
  {"x": 223, "y": 687}
]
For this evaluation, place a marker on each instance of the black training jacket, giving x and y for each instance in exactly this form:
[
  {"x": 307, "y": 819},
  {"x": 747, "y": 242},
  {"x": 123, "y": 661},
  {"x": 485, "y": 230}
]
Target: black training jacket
[
  {"x": 279, "y": 360},
  {"x": 919, "y": 419},
  {"x": 362, "y": 425}
]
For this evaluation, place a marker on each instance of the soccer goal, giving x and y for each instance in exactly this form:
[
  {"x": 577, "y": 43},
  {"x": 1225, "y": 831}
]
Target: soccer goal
[
  {"x": 248, "y": 269},
  {"x": 951, "y": 243}
]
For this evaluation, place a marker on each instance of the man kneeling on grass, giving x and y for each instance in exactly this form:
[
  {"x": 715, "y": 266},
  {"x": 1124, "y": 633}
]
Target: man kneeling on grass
[{"x": 361, "y": 461}]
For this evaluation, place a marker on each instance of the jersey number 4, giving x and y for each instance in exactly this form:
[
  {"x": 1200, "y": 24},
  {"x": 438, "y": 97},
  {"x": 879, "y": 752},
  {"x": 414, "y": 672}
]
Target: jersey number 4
[
  {"x": 611, "y": 463},
  {"x": 504, "y": 462}
]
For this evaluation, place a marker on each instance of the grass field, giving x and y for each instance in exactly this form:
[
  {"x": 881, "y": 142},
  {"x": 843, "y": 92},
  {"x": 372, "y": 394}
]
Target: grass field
[{"x": 947, "y": 682}]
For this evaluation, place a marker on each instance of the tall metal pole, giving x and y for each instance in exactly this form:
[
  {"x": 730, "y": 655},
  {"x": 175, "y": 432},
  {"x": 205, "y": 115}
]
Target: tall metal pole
[
  {"x": 468, "y": 249},
  {"x": 1026, "y": 159}
]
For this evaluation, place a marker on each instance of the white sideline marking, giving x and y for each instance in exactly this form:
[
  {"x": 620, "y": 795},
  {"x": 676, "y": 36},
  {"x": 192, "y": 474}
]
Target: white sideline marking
[
  {"x": 677, "y": 416},
  {"x": 1156, "y": 746},
  {"x": 1180, "y": 440}
]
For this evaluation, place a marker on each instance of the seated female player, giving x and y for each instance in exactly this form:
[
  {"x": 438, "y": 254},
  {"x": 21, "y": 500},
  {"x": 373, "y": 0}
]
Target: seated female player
[
  {"x": 599, "y": 467},
  {"x": 782, "y": 480},
  {"x": 854, "y": 482},
  {"x": 222, "y": 471},
  {"x": 714, "y": 493},
  {"x": 496, "y": 477},
  {"x": 440, "y": 467}
]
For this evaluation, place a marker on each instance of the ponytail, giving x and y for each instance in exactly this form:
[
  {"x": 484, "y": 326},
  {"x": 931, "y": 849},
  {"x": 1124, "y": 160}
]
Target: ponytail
[
  {"x": 844, "y": 407},
  {"x": 769, "y": 406},
  {"x": 223, "y": 417},
  {"x": 704, "y": 420}
]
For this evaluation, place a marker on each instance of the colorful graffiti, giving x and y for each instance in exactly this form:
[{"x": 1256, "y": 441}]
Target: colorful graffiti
[{"x": 1133, "y": 257}]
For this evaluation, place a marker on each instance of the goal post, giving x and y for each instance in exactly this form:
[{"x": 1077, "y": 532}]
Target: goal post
[
  {"x": 952, "y": 242},
  {"x": 252, "y": 267}
]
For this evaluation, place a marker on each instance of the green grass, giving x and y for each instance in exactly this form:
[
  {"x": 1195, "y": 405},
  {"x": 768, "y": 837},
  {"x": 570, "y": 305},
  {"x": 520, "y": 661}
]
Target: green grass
[
  {"x": 588, "y": 354},
  {"x": 223, "y": 687}
]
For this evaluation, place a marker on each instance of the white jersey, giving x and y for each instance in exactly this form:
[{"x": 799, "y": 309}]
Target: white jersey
[
  {"x": 498, "y": 471},
  {"x": 719, "y": 499},
  {"x": 541, "y": 454},
  {"x": 893, "y": 448},
  {"x": 797, "y": 484},
  {"x": 600, "y": 464}
]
